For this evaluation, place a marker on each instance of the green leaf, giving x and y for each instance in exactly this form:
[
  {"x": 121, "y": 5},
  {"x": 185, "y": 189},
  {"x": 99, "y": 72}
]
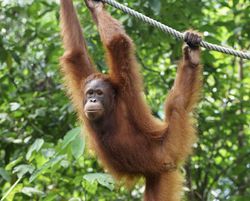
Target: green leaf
[
  {"x": 74, "y": 199},
  {"x": 90, "y": 188},
  {"x": 21, "y": 170},
  {"x": 16, "y": 189},
  {"x": 9, "y": 60},
  {"x": 65, "y": 163},
  {"x": 235, "y": 2},
  {"x": 13, "y": 163},
  {"x": 102, "y": 178},
  {"x": 14, "y": 106},
  {"x": 45, "y": 166},
  {"x": 155, "y": 5},
  {"x": 70, "y": 136},
  {"x": 36, "y": 146},
  {"x": 31, "y": 191},
  {"x": 51, "y": 196},
  {"x": 77, "y": 146},
  {"x": 4, "y": 174}
]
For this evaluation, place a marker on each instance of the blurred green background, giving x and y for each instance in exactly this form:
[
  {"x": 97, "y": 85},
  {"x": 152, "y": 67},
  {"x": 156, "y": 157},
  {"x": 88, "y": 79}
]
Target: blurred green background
[{"x": 42, "y": 158}]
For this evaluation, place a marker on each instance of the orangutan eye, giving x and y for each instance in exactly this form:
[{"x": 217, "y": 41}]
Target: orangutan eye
[
  {"x": 99, "y": 92},
  {"x": 90, "y": 92}
]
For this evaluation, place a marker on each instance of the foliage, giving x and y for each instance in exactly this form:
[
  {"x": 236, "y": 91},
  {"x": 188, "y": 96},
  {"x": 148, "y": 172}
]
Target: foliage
[{"x": 41, "y": 150}]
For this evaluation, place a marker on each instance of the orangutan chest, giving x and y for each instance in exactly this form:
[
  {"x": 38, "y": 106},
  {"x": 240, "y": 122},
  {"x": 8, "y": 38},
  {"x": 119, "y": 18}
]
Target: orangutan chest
[{"x": 128, "y": 153}]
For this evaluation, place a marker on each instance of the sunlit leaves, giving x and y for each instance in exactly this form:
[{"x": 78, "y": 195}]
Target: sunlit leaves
[
  {"x": 14, "y": 106},
  {"x": 70, "y": 136},
  {"x": 47, "y": 165},
  {"x": 31, "y": 191},
  {"x": 36, "y": 146},
  {"x": 21, "y": 170},
  {"x": 77, "y": 146},
  {"x": 103, "y": 179}
]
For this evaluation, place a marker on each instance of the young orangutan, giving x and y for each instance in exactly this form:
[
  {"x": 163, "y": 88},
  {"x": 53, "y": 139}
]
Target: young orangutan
[{"x": 127, "y": 138}]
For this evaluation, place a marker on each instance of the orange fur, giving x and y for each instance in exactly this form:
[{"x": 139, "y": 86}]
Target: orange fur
[{"x": 132, "y": 142}]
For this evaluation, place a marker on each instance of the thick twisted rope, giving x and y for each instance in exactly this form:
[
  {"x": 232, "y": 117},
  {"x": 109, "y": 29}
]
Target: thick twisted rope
[{"x": 175, "y": 33}]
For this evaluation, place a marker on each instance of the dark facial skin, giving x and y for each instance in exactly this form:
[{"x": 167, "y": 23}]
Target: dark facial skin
[{"x": 98, "y": 99}]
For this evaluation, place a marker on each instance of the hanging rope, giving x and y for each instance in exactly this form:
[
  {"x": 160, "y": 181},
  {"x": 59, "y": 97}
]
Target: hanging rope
[{"x": 173, "y": 32}]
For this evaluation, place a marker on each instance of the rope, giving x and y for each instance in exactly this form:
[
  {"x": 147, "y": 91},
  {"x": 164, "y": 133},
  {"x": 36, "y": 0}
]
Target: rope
[{"x": 175, "y": 33}]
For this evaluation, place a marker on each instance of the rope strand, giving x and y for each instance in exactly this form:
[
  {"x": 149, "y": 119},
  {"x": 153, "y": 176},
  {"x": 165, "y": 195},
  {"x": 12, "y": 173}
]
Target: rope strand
[{"x": 175, "y": 33}]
